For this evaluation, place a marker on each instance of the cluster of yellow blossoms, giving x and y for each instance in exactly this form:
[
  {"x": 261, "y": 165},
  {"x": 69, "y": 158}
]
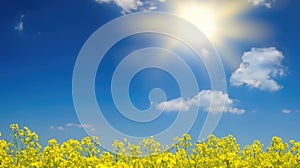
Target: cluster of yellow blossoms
[{"x": 25, "y": 151}]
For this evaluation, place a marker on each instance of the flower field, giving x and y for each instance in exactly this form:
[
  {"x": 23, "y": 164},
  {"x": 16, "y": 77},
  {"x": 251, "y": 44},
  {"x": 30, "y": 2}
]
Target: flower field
[{"x": 24, "y": 150}]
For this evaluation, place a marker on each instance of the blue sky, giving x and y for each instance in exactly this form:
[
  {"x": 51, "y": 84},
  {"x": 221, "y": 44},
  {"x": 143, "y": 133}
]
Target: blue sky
[{"x": 257, "y": 41}]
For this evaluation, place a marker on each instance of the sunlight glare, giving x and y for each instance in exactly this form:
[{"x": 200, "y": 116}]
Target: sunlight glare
[{"x": 221, "y": 22}]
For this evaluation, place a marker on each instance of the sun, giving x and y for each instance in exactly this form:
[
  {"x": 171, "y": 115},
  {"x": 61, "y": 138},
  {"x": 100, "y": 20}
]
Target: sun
[
  {"x": 222, "y": 22},
  {"x": 202, "y": 16},
  {"x": 216, "y": 19}
]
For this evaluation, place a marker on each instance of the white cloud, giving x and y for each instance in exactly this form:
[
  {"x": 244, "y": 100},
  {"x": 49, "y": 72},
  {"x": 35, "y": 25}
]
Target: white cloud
[
  {"x": 258, "y": 68},
  {"x": 286, "y": 111},
  {"x": 204, "y": 53},
  {"x": 60, "y": 128},
  {"x": 128, "y": 6},
  {"x": 20, "y": 25},
  {"x": 85, "y": 126},
  {"x": 103, "y": 1},
  {"x": 203, "y": 100},
  {"x": 265, "y": 3}
]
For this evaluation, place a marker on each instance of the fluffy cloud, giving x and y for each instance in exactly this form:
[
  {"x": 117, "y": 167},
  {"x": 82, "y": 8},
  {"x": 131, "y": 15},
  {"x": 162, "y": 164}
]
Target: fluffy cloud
[
  {"x": 20, "y": 25},
  {"x": 129, "y": 6},
  {"x": 265, "y": 3},
  {"x": 258, "y": 68},
  {"x": 203, "y": 100}
]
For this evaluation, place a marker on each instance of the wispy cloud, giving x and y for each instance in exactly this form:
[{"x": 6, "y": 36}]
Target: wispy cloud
[
  {"x": 20, "y": 24},
  {"x": 204, "y": 53},
  {"x": 258, "y": 69},
  {"x": 60, "y": 128},
  {"x": 129, "y": 6},
  {"x": 286, "y": 111},
  {"x": 203, "y": 99},
  {"x": 84, "y": 126},
  {"x": 265, "y": 3}
]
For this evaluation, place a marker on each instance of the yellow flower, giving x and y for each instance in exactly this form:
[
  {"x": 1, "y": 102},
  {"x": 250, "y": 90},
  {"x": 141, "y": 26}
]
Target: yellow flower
[{"x": 25, "y": 151}]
